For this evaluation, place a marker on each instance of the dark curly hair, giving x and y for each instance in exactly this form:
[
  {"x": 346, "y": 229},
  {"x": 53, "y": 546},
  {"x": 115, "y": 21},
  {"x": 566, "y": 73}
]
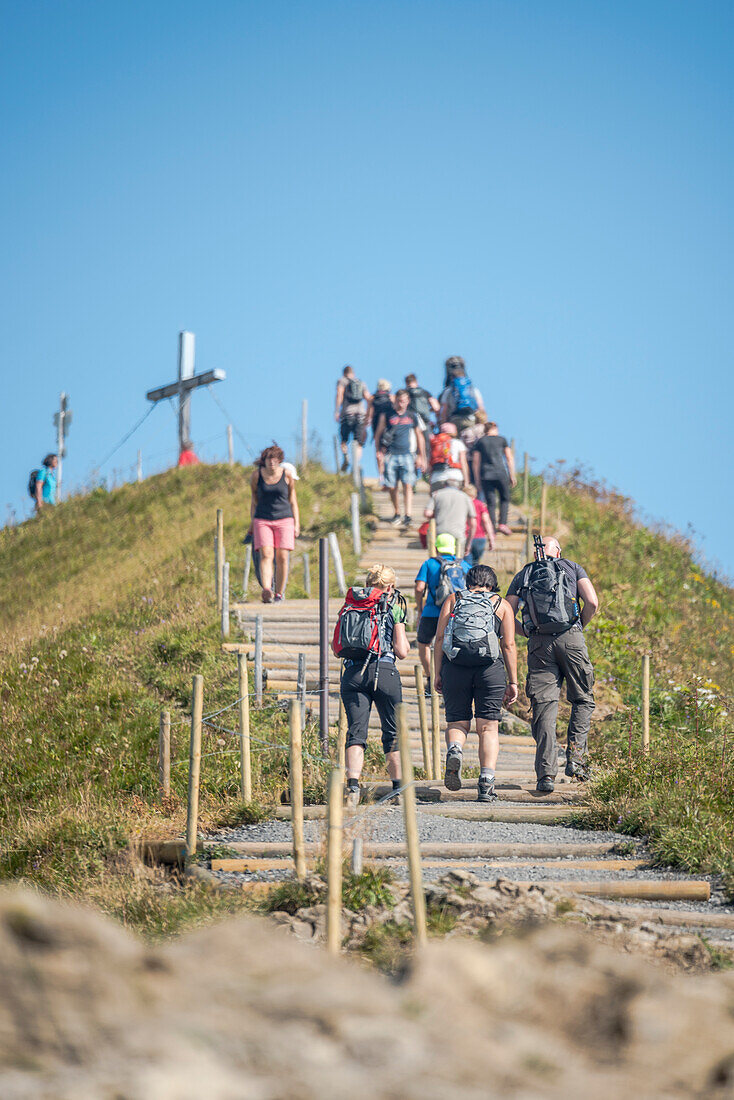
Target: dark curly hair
[
  {"x": 273, "y": 451},
  {"x": 482, "y": 576}
]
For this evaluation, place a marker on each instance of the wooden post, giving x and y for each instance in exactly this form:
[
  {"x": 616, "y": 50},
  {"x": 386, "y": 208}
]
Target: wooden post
[
  {"x": 248, "y": 566},
  {"x": 338, "y": 567},
  {"x": 411, "y": 830},
  {"x": 307, "y": 574},
  {"x": 355, "y": 465},
  {"x": 529, "y": 555},
  {"x": 435, "y": 721},
  {"x": 646, "y": 702},
  {"x": 301, "y": 687},
  {"x": 357, "y": 856},
  {"x": 296, "y": 785},
  {"x": 258, "y": 660},
  {"x": 337, "y": 466},
  {"x": 220, "y": 555},
  {"x": 217, "y": 572},
  {"x": 356, "y": 533},
  {"x": 230, "y": 446},
  {"x": 341, "y": 736},
  {"x": 543, "y": 505},
  {"x": 425, "y": 742},
  {"x": 512, "y": 448},
  {"x": 304, "y": 433},
  {"x": 140, "y": 466},
  {"x": 243, "y": 691},
  {"x": 525, "y": 481},
  {"x": 334, "y": 862},
  {"x": 164, "y": 754},
  {"x": 192, "y": 810},
  {"x": 225, "y": 600},
  {"x": 431, "y": 541}
]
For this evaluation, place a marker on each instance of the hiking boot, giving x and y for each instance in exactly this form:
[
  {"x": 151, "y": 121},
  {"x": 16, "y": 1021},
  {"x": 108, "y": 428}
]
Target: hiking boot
[
  {"x": 545, "y": 785},
  {"x": 406, "y": 521},
  {"x": 352, "y": 800},
  {"x": 485, "y": 790},
  {"x": 576, "y": 770},
  {"x": 396, "y": 520},
  {"x": 345, "y": 465},
  {"x": 452, "y": 775}
]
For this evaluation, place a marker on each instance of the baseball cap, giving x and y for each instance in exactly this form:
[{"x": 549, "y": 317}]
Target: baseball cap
[{"x": 445, "y": 544}]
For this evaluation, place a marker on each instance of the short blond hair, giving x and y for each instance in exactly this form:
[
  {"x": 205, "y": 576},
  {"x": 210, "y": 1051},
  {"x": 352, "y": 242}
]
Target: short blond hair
[
  {"x": 471, "y": 491},
  {"x": 380, "y": 576}
]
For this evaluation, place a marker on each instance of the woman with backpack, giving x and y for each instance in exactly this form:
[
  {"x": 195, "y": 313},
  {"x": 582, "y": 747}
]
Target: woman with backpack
[
  {"x": 475, "y": 652},
  {"x": 382, "y": 402},
  {"x": 370, "y": 636},
  {"x": 275, "y": 520}
]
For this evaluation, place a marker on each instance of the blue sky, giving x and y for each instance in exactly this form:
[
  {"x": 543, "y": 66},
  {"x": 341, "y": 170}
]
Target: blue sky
[{"x": 545, "y": 189}]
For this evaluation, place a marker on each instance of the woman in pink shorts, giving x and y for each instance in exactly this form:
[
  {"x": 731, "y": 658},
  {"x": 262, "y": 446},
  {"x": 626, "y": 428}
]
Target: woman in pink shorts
[{"x": 275, "y": 520}]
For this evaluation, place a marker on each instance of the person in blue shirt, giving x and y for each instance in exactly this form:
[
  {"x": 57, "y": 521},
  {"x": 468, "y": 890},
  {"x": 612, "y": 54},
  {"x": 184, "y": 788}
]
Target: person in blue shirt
[
  {"x": 425, "y": 598},
  {"x": 46, "y": 482}
]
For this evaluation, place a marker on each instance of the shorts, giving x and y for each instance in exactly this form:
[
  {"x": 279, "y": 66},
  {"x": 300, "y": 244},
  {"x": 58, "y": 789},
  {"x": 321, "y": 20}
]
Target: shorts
[
  {"x": 353, "y": 426},
  {"x": 399, "y": 468},
  {"x": 427, "y": 629},
  {"x": 446, "y": 475},
  {"x": 280, "y": 533},
  {"x": 359, "y": 692},
  {"x": 482, "y": 685}
]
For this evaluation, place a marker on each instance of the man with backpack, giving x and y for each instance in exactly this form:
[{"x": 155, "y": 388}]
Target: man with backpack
[
  {"x": 43, "y": 483},
  {"x": 369, "y": 636},
  {"x": 494, "y": 469},
  {"x": 476, "y": 670},
  {"x": 547, "y": 592},
  {"x": 350, "y": 414},
  {"x": 460, "y": 399},
  {"x": 437, "y": 579},
  {"x": 448, "y": 457},
  {"x": 399, "y": 437},
  {"x": 454, "y": 514},
  {"x": 423, "y": 404}
]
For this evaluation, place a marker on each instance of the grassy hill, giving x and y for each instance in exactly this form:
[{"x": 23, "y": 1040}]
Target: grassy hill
[{"x": 108, "y": 609}]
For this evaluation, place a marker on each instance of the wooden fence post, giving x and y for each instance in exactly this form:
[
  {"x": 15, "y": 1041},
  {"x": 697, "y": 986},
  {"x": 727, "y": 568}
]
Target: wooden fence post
[
  {"x": 529, "y": 554},
  {"x": 525, "y": 481},
  {"x": 646, "y": 702},
  {"x": 334, "y": 861},
  {"x": 140, "y": 466},
  {"x": 220, "y": 555},
  {"x": 230, "y": 446},
  {"x": 296, "y": 786},
  {"x": 164, "y": 754},
  {"x": 243, "y": 691},
  {"x": 307, "y": 574},
  {"x": 357, "y": 856},
  {"x": 341, "y": 736},
  {"x": 423, "y": 718},
  {"x": 435, "y": 721},
  {"x": 431, "y": 540},
  {"x": 258, "y": 660},
  {"x": 337, "y": 467},
  {"x": 411, "y": 830},
  {"x": 192, "y": 808},
  {"x": 355, "y": 465},
  {"x": 338, "y": 567},
  {"x": 225, "y": 600},
  {"x": 301, "y": 687},
  {"x": 246, "y": 571},
  {"x": 217, "y": 572},
  {"x": 356, "y": 533},
  {"x": 543, "y": 504},
  {"x": 304, "y": 433}
]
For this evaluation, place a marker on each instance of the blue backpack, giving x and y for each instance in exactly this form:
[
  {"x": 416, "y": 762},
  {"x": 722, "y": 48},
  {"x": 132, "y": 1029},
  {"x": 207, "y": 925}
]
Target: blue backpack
[
  {"x": 463, "y": 392},
  {"x": 452, "y": 578}
]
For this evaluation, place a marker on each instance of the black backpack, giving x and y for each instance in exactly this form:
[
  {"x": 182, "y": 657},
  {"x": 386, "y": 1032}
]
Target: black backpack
[
  {"x": 420, "y": 404},
  {"x": 32, "y": 483},
  {"x": 548, "y": 607},
  {"x": 353, "y": 392}
]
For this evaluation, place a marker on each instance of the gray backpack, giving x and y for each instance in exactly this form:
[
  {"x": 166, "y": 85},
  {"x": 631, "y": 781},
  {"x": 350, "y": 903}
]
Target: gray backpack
[{"x": 471, "y": 635}]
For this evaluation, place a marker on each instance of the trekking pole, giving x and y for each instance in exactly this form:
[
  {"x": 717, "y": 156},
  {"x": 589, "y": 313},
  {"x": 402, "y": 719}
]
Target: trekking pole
[
  {"x": 296, "y": 788},
  {"x": 646, "y": 702},
  {"x": 244, "y": 709},
  {"x": 423, "y": 718},
  {"x": 334, "y": 861},
  {"x": 435, "y": 721},
  {"x": 192, "y": 806},
  {"x": 411, "y": 830}
]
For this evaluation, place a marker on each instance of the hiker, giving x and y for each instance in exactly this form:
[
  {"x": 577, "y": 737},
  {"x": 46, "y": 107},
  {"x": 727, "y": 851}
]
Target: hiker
[
  {"x": 399, "y": 436},
  {"x": 436, "y": 579},
  {"x": 460, "y": 399},
  {"x": 454, "y": 514},
  {"x": 547, "y": 592},
  {"x": 448, "y": 457},
  {"x": 349, "y": 413},
  {"x": 475, "y": 654},
  {"x": 369, "y": 636},
  {"x": 187, "y": 456},
  {"x": 382, "y": 402},
  {"x": 43, "y": 483},
  {"x": 275, "y": 520},
  {"x": 484, "y": 531},
  {"x": 494, "y": 469},
  {"x": 423, "y": 404},
  {"x": 469, "y": 437}
]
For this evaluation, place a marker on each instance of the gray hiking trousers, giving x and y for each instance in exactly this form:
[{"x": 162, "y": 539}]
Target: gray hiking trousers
[{"x": 553, "y": 658}]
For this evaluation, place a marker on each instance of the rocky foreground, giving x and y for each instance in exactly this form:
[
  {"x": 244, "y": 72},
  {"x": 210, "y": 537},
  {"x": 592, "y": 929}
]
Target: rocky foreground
[{"x": 243, "y": 1010}]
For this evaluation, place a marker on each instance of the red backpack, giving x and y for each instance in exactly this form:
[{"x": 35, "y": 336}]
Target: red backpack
[
  {"x": 357, "y": 630},
  {"x": 441, "y": 451}
]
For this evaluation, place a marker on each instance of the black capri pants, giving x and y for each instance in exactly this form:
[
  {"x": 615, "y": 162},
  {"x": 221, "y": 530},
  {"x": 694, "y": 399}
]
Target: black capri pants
[{"x": 378, "y": 684}]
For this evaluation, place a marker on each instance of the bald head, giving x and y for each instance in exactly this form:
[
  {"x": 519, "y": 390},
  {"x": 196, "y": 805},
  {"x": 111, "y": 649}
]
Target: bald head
[{"x": 552, "y": 547}]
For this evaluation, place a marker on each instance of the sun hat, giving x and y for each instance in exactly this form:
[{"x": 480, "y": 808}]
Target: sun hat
[{"x": 445, "y": 544}]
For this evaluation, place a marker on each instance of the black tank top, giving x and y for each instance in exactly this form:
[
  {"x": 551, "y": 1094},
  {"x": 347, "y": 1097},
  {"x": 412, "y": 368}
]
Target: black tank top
[{"x": 272, "y": 500}]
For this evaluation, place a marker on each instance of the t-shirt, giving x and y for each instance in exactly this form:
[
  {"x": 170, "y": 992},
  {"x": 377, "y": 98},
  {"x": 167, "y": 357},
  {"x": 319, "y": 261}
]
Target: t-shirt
[
  {"x": 430, "y": 573},
  {"x": 456, "y": 449},
  {"x": 188, "y": 458},
  {"x": 480, "y": 509},
  {"x": 352, "y": 408},
  {"x": 452, "y": 510},
  {"x": 491, "y": 449},
  {"x": 48, "y": 480},
  {"x": 572, "y": 569},
  {"x": 402, "y": 430}
]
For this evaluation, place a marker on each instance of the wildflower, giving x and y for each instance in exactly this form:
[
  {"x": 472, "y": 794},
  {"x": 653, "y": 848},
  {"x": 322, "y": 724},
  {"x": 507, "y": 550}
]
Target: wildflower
[
  {"x": 62, "y": 654},
  {"x": 54, "y": 683},
  {"x": 84, "y": 649},
  {"x": 221, "y": 741},
  {"x": 99, "y": 750},
  {"x": 97, "y": 709},
  {"x": 34, "y": 660},
  {"x": 29, "y": 741}
]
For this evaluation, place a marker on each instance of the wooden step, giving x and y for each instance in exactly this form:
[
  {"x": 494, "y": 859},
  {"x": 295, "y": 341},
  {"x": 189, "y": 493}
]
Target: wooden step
[{"x": 478, "y": 850}]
